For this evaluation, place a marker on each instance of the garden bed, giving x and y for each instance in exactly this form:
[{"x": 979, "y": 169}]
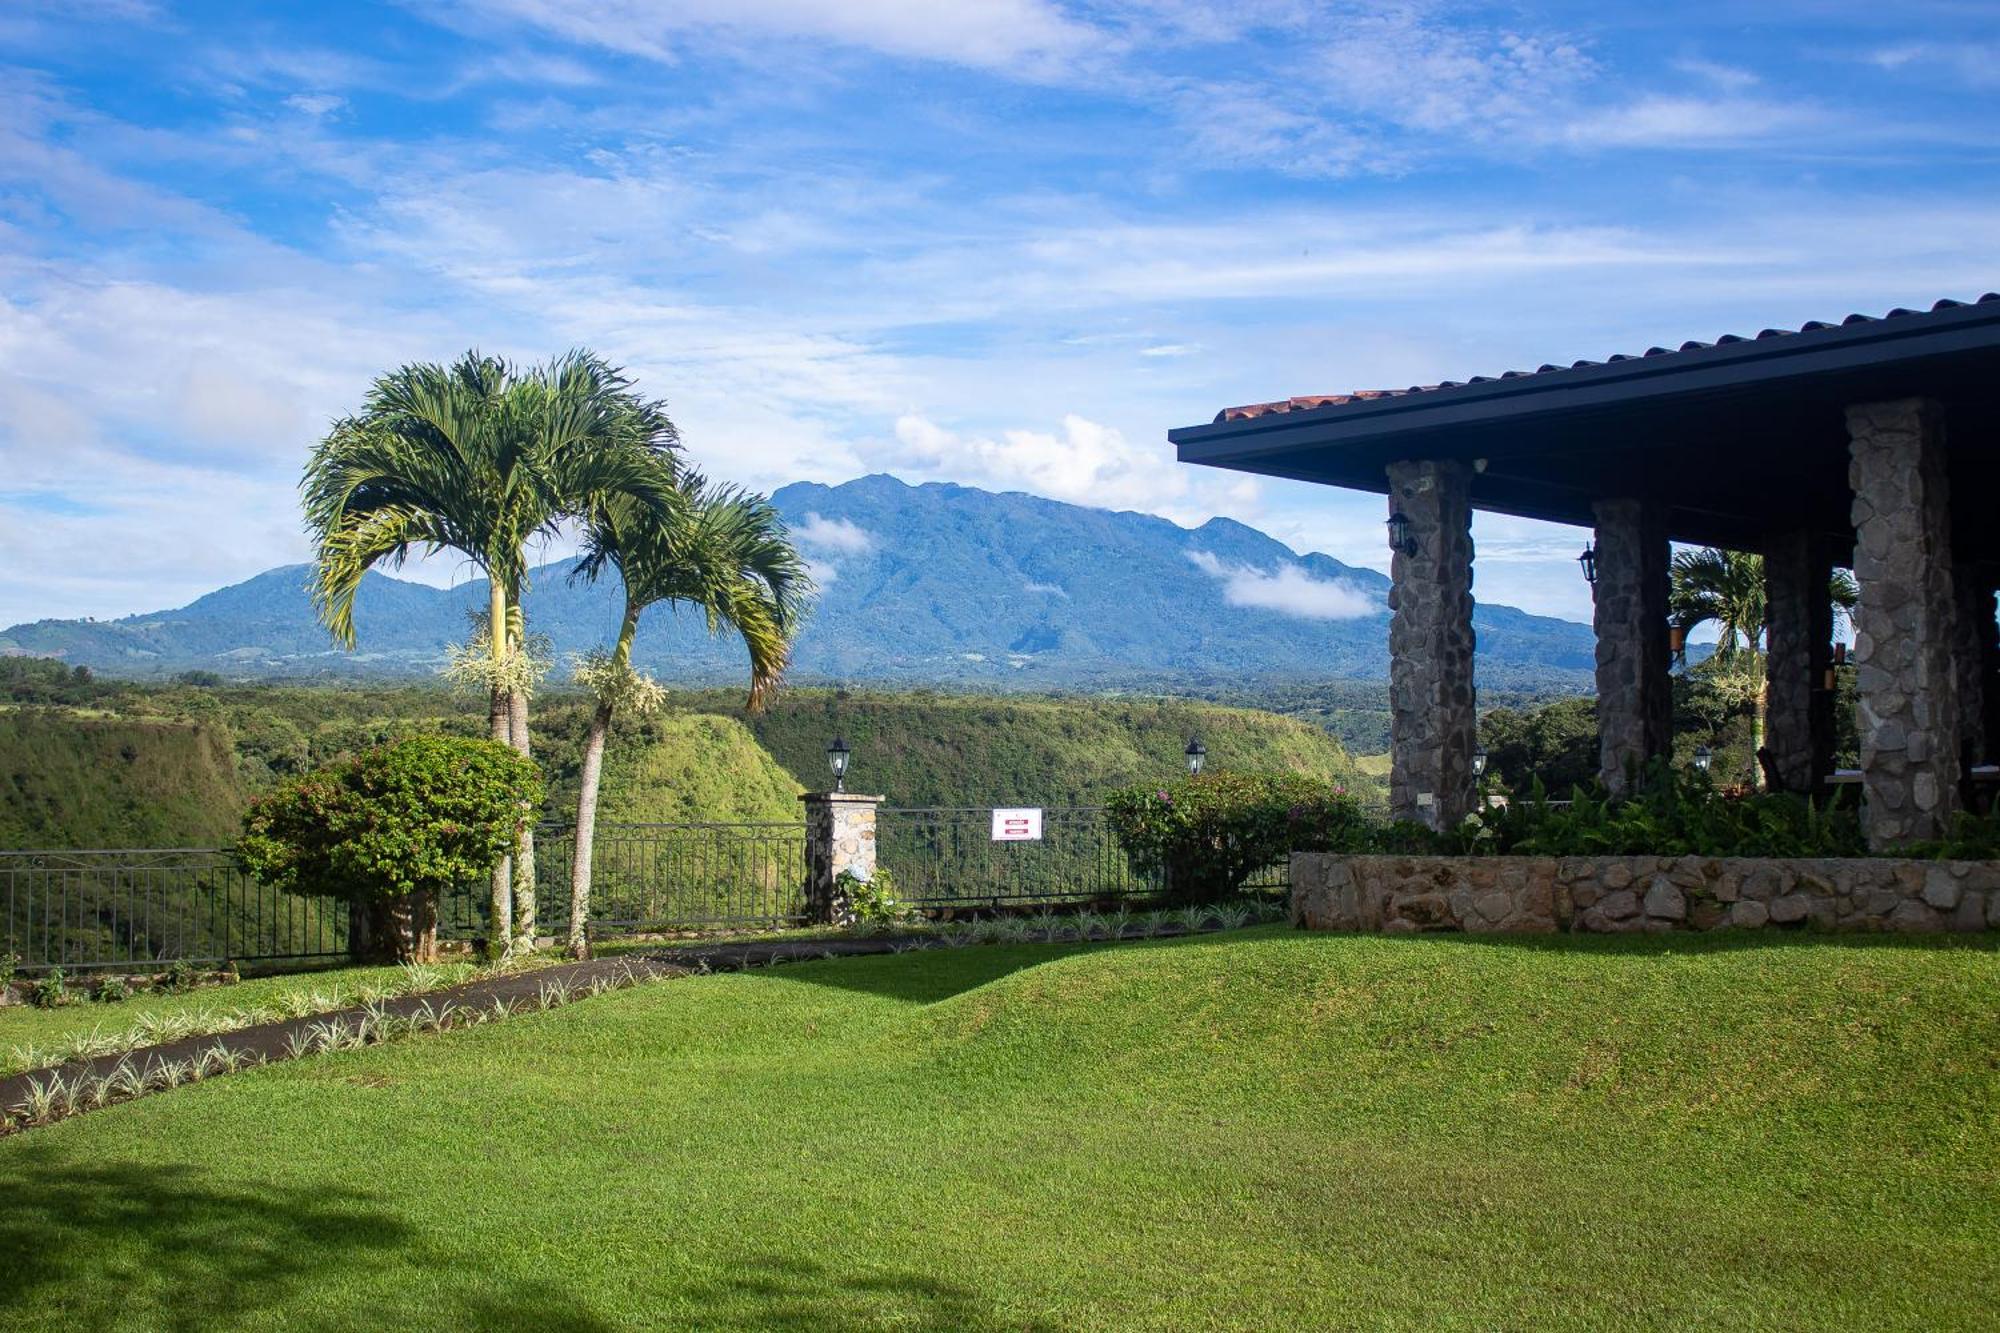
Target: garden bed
[{"x": 1615, "y": 894}]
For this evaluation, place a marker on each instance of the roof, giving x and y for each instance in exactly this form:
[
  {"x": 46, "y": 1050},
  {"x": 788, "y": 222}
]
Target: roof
[
  {"x": 1736, "y": 439},
  {"x": 1314, "y": 402}
]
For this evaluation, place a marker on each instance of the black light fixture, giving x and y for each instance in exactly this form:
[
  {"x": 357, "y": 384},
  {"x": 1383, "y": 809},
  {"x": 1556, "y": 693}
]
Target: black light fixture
[
  {"x": 1703, "y": 757},
  {"x": 837, "y": 755},
  {"x": 1400, "y": 540},
  {"x": 1589, "y": 562},
  {"x": 1479, "y": 762},
  {"x": 1197, "y": 755}
]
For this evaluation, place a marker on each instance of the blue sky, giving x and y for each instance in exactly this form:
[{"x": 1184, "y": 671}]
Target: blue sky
[{"x": 1006, "y": 243}]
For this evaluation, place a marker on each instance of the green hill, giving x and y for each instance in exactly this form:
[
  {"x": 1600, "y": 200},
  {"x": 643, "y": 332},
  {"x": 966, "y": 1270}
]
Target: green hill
[
  {"x": 930, "y": 749},
  {"x": 74, "y": 781}
]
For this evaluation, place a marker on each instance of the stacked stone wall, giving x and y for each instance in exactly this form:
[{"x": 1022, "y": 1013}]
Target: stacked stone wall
[{"x": 1623, "y": 894}]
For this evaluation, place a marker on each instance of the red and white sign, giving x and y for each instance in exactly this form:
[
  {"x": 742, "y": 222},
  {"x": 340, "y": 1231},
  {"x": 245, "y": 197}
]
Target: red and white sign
[{"x": 1017, "y": 825}]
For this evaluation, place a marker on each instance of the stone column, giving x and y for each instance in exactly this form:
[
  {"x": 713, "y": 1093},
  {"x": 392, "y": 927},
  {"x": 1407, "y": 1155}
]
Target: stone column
[
  {"x": 840, "y": 836},
  {"x": 1635, "y": 699},
  {"x": 1905, "y": 629},
  {"x": 1798, "y": 620},
  {"x": 1432, "y": 720}
]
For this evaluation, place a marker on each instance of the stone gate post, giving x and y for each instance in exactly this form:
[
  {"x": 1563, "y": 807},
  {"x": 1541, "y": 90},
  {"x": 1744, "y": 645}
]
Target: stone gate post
[
  {"x": 1635, "y": 699},
  {"x": 1433, "y": 721},
  {"x": 840, "y": 836}
]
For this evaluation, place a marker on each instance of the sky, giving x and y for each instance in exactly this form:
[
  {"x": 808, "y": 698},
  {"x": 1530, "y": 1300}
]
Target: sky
[{"x": 1007, "y": 243}]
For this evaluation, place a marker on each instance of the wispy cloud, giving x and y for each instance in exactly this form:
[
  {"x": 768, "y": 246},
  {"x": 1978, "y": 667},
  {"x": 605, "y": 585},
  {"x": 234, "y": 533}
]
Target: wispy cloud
[
  {"x": 1288, "y": 590},
  {"x": 837, "y": 535}
]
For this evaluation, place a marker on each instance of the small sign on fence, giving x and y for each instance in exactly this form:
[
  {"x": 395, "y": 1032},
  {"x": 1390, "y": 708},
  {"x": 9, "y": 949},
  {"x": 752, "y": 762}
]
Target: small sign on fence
[{"x": 1023, "y": 825}]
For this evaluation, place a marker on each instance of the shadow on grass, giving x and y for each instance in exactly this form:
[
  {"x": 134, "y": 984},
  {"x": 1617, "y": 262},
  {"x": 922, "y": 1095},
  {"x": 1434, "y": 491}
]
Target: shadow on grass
[
  {"x": 927, "y": 976},
  {"x": 1683, "y": 943},
  {"x": 772, "y": 1292},
  {"x": 168, "y": 1248}
]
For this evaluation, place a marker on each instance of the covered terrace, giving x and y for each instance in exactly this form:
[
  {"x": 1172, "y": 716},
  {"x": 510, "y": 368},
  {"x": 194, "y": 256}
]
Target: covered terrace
[{"x": 1872, "y": 443}]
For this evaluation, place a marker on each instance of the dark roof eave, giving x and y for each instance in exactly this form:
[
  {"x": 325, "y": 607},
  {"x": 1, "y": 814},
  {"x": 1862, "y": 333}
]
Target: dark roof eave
[{"x": 1723, "y": 366}]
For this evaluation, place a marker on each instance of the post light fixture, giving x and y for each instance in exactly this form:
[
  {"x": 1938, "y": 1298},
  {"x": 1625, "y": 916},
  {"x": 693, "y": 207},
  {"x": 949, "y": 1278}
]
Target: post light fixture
[
  {"x": 837, "y": 755},
  {"x": 1197, "y": 755},
  {"x": 1479, "y": 762},
  {"x": 1703, "y": 757},
  {"x": 1400, "y": 540},
  {"x": 1588, "y": 560}
]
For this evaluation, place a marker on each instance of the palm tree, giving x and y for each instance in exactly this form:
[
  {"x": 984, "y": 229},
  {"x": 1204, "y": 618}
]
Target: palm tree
[
  {"x": 731, "y": 558},
  {"x": 478, "y": 458},
  {"x": 1727, "y": 589}
]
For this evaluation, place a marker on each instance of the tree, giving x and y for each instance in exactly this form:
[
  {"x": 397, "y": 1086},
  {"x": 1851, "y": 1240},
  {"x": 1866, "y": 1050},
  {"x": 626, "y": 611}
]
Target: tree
[
  {"x": 727, "y": 554},
  {"x": 390, "y": 831},
  {"x": 1726, "y": 588},
  {"x": 479, "y": 458}
]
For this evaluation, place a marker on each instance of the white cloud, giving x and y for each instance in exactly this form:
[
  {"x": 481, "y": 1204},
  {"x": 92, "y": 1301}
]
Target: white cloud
[
  {"x": 1018, "y": 35},
  {"x": 833, "y": 534},
  {"x": 824, "y": 573},
  {"x": 1088, "y": 463},
  {"x": 1049, "y": 589},
  {"x": 316, "y": 104},
  {"x": 1973, "y": 64},
  {"x": 1288, "y": 589}
]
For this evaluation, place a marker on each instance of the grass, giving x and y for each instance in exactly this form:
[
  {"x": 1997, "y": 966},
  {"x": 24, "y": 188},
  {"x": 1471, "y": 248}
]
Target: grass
[{"x": 1255, "y": 1129}]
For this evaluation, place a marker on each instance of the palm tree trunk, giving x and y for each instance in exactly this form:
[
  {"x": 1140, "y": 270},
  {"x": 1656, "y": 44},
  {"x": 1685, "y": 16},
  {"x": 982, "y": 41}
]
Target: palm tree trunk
[
  {"x": 586, "y": 798},
  {"x": 500, "y": 719},
  {"x": 1757, "y": 711},
  {"x": 586, "y": 831},
  {"x": 524, "y": 839}
]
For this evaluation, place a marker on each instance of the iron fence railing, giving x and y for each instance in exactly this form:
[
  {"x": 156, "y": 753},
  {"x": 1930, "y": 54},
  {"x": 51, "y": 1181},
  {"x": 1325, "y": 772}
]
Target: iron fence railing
[
  {"x": 137, "y": 908},
  {"x": 675, "y": 876},
  {"x": 946, "y": 857}
]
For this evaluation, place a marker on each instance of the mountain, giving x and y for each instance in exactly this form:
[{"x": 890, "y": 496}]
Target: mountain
[{"x": 930, "y": 584}]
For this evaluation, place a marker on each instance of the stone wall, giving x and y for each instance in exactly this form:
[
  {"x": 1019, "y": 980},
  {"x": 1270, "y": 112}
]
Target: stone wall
[{"x": 1616, "y": 894}]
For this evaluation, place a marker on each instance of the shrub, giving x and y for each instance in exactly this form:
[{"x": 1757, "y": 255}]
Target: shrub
[
  {"x": 1206, "y": 835},
  {"x": 48, "y": 990},
  {"x": 873, "y": 902},
  {"x": 390, "y": 830},
  {"x": 112, "y": 990},
  {"x": 179, "y": 978}
]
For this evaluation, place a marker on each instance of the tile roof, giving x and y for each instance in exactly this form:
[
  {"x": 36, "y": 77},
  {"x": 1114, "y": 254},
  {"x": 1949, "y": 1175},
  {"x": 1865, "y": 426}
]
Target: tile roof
[{"x": 1309, "y": 403}]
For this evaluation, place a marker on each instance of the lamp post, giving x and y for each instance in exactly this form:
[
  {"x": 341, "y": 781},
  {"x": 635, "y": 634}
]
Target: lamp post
[
  {"x": 1197, "y": 755},
  {"x": 837, "y": 755},
  {"x": 1703, "y": 757}
]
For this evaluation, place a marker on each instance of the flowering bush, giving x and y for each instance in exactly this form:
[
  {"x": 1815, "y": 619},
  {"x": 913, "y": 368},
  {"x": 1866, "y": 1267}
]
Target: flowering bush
[
  {"x": 1206, "y": 835},
  {"x": 391, "y": 829}
]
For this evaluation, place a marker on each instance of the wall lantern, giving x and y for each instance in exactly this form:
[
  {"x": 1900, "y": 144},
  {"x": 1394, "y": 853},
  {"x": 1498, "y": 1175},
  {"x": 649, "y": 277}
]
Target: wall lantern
[
  {"x": 837, "y": 755},
  {"x": 1588, "y": 560},
  {"x": 1703, "y": 757},
  {"x": 1677, "y": 639},
  {"x": 1479, "y": 763},
  {"x": 1197, "y": 755},
  {"x": 1400, "y": 539}
]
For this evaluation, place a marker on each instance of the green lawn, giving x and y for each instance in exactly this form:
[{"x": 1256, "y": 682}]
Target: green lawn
[{"x": 1261, "y": 1129}]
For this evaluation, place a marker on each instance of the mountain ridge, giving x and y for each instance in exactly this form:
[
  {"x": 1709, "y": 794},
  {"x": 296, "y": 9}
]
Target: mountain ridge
[{"x": 928, "y": 584}]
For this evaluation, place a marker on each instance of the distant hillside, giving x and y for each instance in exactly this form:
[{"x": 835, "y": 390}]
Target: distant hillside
[
  {"x": 932, "y": 584},
  {"x": 951, "y": 750},
  {"x": 69, "y": 781}
]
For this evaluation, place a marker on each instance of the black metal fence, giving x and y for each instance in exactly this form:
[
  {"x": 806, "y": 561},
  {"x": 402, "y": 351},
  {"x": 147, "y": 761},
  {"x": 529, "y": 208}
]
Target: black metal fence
[
  {"x": 81, "y": 910},
  {"x": 947, "y": 857},
  {"x": 135, "y": 909}
]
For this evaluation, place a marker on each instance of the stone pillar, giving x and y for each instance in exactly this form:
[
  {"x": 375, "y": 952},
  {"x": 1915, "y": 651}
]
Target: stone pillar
[
  {"x": 1433, "y": 727},
  {"x": 1635, "y": 698},
  {"x": 840, "y": 836},
  {"x": 1905, "y": 629},
  {"x": 1798, "y": 629}
]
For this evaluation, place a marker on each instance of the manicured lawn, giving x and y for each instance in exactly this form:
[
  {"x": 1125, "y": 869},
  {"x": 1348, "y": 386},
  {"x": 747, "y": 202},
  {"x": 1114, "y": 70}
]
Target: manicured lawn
[{"x": 1261, "y": 1129}]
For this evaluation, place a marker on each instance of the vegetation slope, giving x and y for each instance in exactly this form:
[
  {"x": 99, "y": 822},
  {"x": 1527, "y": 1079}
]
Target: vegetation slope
[{"x": 1262, "y": 1130}]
